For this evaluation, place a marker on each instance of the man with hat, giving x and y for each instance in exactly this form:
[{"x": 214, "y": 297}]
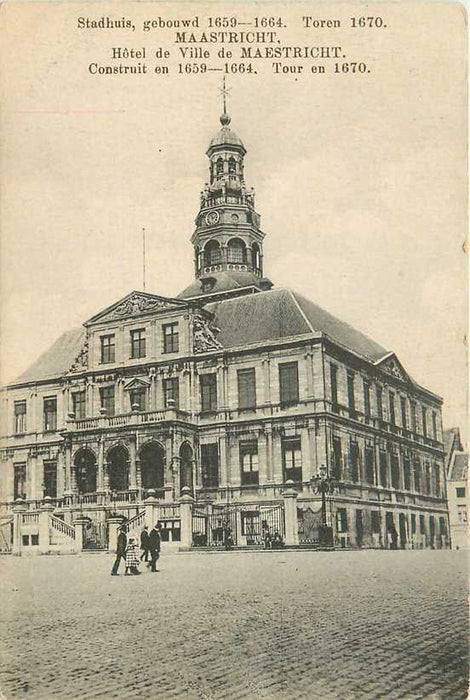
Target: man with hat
[
  {"x": 120, "y": 550},
  {"x": 154, "y": 546}
]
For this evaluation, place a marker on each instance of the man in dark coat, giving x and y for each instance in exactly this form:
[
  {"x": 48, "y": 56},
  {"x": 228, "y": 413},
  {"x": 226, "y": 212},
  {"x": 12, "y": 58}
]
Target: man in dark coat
[
  {"x": 120, "y": 550},
  {"x": 154, "y": 546},
  {"x": 144, "y": 543}
]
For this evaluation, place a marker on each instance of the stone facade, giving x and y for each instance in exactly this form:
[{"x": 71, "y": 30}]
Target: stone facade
[{"x": 230, "y": 391}]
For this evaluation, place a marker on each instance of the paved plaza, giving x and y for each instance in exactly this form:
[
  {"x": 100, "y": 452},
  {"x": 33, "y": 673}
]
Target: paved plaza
[{"x": 364, "y": 624}]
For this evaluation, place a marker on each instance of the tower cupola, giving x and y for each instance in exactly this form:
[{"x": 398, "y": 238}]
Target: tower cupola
[{"x": 228, "y": 241}]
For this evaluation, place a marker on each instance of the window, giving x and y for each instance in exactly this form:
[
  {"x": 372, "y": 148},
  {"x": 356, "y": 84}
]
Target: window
[
  {"x": 375, "y": 520},
  {"x": 108, "y": 348},
  {"x": 138, "y": 399},
  {"x": 442, "y": 526},
  {"x": 50, "y": 479},
  {"x": 422, "y": 525},
  {"x": 406, "y": 474},
  {"x": 404, "y": 417},
  {"x": 341, "y": 520},
  {"x": 236, "y": 251},
  {"x": 138, "y": 343},
  {"x": 425, "y": 421},
  {"x": 462, "y": 514},
  {"x": 292, "y": 459},
  {"x": 289, "y": 383},
  {"x": 246, "y": 388},
  {"x": 78, "y": 402},
  {"x": 369, "y": 455},
  {"x": 249, "y": 462},
  {"x": 460, "y": 491},
  {"x": 436, "y": 473},
  {"x": 219, "y": 168},
  {"x": 19, "y": 481},
  {"x": 107, "y": 399},
  {"x": 171, "y": 392},
  {"x": 413, "y": 416},
  {"x": 334, "y": 386},
  {"x": 210, "y": 465},
  {"x": 383, "y": 468},
  {"x": 434, "y": 425},
  {"x": 413, "y": 524},
  {"x": 337, "y": 459},
  {"x": 20, "y": 417},
  {"x": 50, "y": 413},
  {"x": 170, "y": 338},
  {"x": 395, "y": 472},
  {"x": 354, "y": 459},
  {"x": 351, "y": 397},
  {"x": 428, "y": 478},
  {"x": 380, "y": 409},
  {"x": 391, "y": 398},
  {"x": 417, "y": 473},
  {"x": 232, "y": 167},
  {"x": 367, "y": 399},
  {"x": 208, "y": 392}
]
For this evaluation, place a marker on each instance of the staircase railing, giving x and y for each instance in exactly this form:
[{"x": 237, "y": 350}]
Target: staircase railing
[
  {"x": 6, "y": 536},
  {"x": 136, "y": 522},
  {"x": 63, "y": 527}
]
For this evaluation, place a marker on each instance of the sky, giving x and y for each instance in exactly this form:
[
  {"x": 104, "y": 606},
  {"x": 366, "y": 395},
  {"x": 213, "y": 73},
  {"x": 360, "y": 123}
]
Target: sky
[{"x": 360, "y": 180}]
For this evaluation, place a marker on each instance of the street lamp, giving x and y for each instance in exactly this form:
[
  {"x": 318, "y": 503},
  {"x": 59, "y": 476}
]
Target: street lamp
[{"x": 324, "y": 484}]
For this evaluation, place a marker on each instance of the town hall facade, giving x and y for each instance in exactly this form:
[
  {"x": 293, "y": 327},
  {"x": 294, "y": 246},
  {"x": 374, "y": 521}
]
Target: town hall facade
[{"x": 230, "y": 395}]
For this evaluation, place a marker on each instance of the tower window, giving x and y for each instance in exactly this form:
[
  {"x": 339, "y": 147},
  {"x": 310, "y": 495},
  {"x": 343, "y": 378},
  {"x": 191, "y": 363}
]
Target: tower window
[
  {"x": 236, "y": 251},
  {"x": 219, "y": 168},
  {"x": 255, "y": 256},
  {"x": 212, "y": 254},
  {"x": 232, "y": 166}
]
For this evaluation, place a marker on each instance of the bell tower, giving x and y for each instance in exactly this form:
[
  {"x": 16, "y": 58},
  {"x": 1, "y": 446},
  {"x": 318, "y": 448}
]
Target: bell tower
[{"x": 228, "y": 241}]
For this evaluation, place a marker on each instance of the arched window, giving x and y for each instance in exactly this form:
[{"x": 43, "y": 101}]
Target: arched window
[
  {"x": 85, "y": 471},
  {"x": 236, "y": 251},
  {"x": 232, "y": 166},
  {"x": 255, "y": 256},
  {"x": 152, "y": 466},
  {"x": 212, "y": 254},
  {"x": 118, "y": 468},
  {"x": 197, "y": 258},
  {"x": 219, "y": 167}
]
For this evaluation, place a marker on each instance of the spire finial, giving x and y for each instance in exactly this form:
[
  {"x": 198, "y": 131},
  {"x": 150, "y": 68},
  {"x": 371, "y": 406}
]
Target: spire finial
[{"x": 224, "y": 119}]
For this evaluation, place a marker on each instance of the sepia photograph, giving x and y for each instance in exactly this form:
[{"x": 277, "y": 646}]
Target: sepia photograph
[{"x": 233, "y": 350}]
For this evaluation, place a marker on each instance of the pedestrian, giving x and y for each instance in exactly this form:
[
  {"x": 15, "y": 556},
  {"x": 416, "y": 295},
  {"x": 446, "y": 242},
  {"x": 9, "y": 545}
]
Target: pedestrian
[
  {"x": 154, "y": 546},
  {"x": 120, "y": 550},
  {"x": 144, "y": 543},
  {"x": 132, "y": 559}
]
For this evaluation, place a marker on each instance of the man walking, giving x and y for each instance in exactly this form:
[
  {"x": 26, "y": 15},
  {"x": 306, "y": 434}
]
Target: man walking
[
  {"x": 144, "y": 543},
  {"x": 154, "y": 546},
  {"x": 120, "y": 550}
]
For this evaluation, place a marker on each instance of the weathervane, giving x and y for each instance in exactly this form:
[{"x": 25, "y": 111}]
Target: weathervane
[{"x": 224, "y": 92}]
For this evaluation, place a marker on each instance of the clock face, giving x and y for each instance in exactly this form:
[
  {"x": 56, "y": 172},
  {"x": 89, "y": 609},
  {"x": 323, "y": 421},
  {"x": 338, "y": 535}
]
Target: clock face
[{"x": 212, "y": 218}]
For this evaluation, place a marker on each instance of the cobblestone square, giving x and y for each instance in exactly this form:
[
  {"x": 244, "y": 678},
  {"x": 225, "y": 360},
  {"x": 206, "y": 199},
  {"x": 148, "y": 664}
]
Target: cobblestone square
[{"x": 357, "y": 624}]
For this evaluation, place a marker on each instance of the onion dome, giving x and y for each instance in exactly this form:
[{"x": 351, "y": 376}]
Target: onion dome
[{"x": 225, "y": 136}]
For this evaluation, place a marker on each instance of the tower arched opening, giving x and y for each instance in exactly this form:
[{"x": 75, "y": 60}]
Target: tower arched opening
[{"x": 236, "y": 251}]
